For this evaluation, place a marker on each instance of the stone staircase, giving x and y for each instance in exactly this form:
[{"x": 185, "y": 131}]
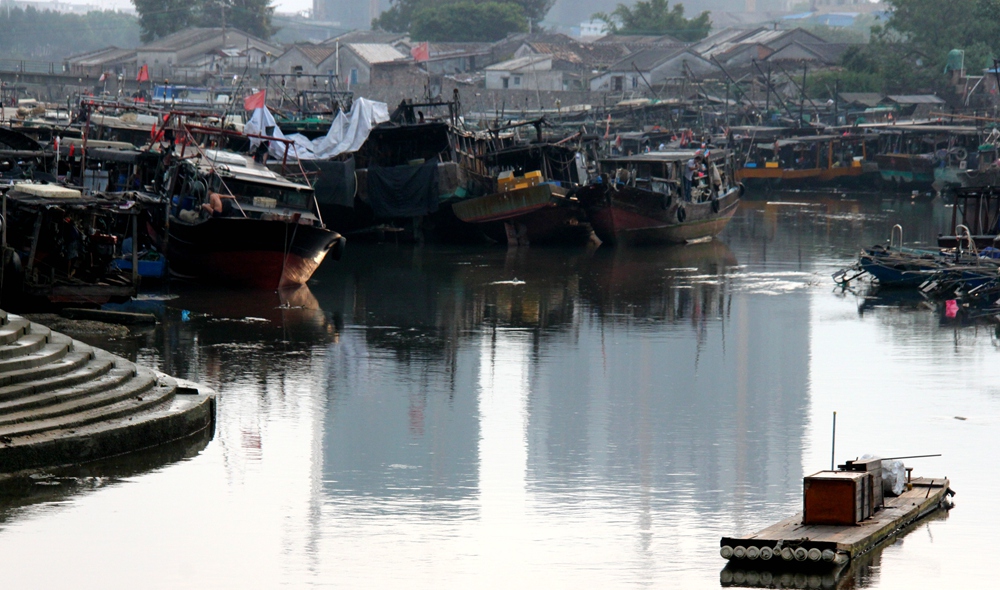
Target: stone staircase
[{"x": 63, "y": 402}]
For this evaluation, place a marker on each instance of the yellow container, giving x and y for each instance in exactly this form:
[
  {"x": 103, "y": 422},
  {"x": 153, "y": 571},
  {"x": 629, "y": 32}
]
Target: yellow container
[{"x": 770, "y": 164}]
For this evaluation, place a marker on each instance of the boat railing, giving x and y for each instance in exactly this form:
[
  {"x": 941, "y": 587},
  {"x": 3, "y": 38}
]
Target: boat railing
[
  {"x": 892, "y": 236},
  {"x": 959, "y": 229}
]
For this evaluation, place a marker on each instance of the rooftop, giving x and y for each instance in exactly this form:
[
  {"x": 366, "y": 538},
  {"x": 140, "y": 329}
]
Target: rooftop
[{"x": 376, "y": 53}]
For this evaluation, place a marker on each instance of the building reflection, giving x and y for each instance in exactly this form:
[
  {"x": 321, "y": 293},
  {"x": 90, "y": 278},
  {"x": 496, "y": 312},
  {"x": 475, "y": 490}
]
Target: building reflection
[{"x": 640, "y": 372}]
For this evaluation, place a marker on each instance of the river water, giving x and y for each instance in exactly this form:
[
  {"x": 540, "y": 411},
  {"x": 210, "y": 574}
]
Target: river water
[{"x": 467, "y": 417}]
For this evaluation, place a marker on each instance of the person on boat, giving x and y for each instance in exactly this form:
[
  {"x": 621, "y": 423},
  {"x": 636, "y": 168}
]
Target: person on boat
[
  {"x": 215, "y": 206},
  {"x": 693, "y": 165}
]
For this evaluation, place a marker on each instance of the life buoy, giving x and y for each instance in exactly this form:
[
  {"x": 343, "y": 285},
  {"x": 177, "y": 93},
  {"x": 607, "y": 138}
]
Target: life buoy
[
  {"x": 681, "y": 214},
  {"x": 960, "y": 153},
  {"x": 715, "y": 205},
  {"x": 743, "y": 190}
]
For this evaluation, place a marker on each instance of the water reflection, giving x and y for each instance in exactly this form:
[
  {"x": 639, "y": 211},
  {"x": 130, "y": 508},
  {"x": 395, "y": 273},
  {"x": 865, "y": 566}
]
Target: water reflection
[{"x": 437, "y": 416}]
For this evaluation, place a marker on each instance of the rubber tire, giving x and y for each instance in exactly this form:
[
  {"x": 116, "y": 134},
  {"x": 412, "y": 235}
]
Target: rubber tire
[{"x": 681, "y": 214}]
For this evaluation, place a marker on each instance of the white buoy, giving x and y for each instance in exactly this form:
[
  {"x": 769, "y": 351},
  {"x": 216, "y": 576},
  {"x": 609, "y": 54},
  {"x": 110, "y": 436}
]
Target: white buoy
[
  {"x": 841, "y": 559},
  {"x": 801, "y": 553},
  {"x": 766, "y": 578},
  {"x": 753, "y": 552},
  {"x": 726, "y": 576},
  {"x": 829, "y": 554},
  {"x": 740, "y": 552},
  {"x": 753, "y": 579},
  {"x": 815, "y": 554},
  {"x": 766, "y": 553},
  {"x": 786, "y": 554},
  {"x": 726, "y": 552}
]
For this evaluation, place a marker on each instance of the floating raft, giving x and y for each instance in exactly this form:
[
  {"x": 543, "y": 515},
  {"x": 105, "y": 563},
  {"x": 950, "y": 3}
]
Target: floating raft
[{"x": 791, "y": 545}]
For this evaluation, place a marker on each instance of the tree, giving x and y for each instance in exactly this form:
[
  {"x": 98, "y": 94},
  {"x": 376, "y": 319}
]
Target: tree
[
  {"x": 47, "y": 35},
  {"x": 468, "y": 21},
  {"x": 400, "y": 16},
  {"x": 159, "y": 18},
  {"x": 655, "y": 17}
]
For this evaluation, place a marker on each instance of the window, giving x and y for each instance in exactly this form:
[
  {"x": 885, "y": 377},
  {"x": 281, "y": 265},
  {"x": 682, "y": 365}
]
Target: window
[
  {"x": 616, "y": 83},
  {"x": 297, "y": 70},
  {"x": 517, "y": 80},
  {"x": 354, "y": 75},
  {"x": 635, "y": 82},
  {"x": 506, "y": 82}
]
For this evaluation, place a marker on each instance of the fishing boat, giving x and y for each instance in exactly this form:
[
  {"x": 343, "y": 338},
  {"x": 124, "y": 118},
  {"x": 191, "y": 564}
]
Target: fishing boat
[
  {"x": 811, "y": 160},
  {"x": 640, "y": 199},
  {"x": 59, "y": 246},
  {"x": 268, "y": 235},
  {"x": 846, "y": 514},
  {"x": 526, "y": 193},
  {"x": 926, "y": 156}
]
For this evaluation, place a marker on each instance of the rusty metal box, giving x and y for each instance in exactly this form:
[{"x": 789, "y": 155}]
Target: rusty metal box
[{"x": 836, "y": 497}]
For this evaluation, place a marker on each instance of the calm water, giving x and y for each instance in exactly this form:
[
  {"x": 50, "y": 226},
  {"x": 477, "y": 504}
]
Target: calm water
[{"x": 471, "y": 417}]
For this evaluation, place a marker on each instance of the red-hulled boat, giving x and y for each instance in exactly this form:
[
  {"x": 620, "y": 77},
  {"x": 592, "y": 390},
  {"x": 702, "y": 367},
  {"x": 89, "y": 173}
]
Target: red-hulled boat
[
  {"x": 268, "y": 236},
  {"x": 642, "y": 199}
]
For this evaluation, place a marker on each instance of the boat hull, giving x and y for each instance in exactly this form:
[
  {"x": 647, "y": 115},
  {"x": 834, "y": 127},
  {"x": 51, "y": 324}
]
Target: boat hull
[
  {"x": 637, "y": 216},
  {"x": 526, "y": 215},
  {"x": 264, "y": 254}
]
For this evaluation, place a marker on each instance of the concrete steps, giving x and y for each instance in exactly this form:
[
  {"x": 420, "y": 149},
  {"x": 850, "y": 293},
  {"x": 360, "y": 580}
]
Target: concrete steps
[{"x": 63, "y": 402}]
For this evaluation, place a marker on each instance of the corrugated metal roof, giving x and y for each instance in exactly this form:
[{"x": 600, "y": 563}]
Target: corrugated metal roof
[{"x": 376, "y": 53}]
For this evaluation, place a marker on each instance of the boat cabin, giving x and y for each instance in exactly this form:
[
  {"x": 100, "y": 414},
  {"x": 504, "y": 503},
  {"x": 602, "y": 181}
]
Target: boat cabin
[
  {"x": 663, "y": 172},
  {"x": 60, "y": 245}
]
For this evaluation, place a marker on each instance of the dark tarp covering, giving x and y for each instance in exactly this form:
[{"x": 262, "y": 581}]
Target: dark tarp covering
[
  {"x": 403, "y": 191},
  {"x": 335, "y": 183},
  {"x": 18, "y": 141}
]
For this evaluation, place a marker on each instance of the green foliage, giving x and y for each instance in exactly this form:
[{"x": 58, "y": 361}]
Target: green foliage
[
  {"x": 159, "y": 18},
  {"x": 655, "y": 17},
  {"x": 468, "y": 21},
  {"x": 823, "y": 85},
  {"x": 400, "y": 16},
  {"x": 46, "y": 35}
]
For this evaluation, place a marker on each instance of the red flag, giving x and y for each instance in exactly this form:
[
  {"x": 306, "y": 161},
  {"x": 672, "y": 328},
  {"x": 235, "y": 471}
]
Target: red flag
[
  {"x": 72, "y": 149},
  {"x": 104, "y": 76},
  {"x": 421, "y": 52},
  {"x": 152, "y": 132},
  {"x": 255, "y": 101},
  {"x": 143, "y": 74}
]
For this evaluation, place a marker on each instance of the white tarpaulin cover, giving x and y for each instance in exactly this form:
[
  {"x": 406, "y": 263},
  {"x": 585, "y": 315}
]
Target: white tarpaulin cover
[{"x": 347, "y": 132}]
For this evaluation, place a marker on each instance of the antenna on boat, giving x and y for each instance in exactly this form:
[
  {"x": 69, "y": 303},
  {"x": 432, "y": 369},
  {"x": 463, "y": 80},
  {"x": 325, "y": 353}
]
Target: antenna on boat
[{"x": 833, "y": 446}]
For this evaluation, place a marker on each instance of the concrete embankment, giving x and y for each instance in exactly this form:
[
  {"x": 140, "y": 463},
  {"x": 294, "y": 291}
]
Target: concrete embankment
[{"x": 63, "y": 402}]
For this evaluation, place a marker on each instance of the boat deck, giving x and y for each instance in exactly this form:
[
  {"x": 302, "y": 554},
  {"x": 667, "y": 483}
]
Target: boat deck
[{"x": 785, "y": 538}]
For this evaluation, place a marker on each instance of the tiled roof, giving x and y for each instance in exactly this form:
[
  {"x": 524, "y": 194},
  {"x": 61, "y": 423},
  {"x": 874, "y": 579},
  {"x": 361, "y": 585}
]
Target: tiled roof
[
  {"x": 376, "y": 53},
  {"x": 313, "y": 52}
]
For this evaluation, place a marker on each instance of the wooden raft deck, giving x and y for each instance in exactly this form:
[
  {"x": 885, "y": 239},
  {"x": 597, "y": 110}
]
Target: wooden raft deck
[{"x": 926, "y": 496}]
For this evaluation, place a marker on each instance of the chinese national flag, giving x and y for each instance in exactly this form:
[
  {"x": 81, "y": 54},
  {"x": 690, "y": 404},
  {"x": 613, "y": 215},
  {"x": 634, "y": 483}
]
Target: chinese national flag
[
  {"x": 254, "y": 101},
  {"x": 143, "y": 74},
  {"x": 421, "y": 52}
]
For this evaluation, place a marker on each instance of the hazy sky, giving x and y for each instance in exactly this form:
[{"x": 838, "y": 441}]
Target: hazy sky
[{"x": 282, "y": 5}]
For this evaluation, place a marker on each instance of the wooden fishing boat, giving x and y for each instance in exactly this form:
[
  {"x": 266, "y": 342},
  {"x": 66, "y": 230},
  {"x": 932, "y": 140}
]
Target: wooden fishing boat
[
  {"x": 269, "y": 235},
  {"x": 812, "y": 160},
  {"x": 846, "y": 514},
  {"x": 926, "y": 156},
  {"x": 639, "y": 199},
  {"x": 524, "y": 193},
  {"x": 531, "y": 211},
  {"x": 59, "y": 245}
]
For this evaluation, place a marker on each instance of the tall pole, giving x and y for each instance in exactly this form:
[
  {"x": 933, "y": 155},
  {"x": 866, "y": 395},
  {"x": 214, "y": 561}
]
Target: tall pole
[
  {"x": 802, "y": 100},
  {"x": 767, "y": 100},
  {"x": 833, "y": 447},
  {"x": 836, "y": 101}
]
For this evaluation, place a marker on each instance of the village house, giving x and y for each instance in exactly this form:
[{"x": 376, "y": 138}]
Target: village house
[
  {"x": 97, "y": 62},
  {"x": 306, "y": 58},
  {"x": 652, "y": 66},
  {"x": 205, "y": 50},
  {"x": 534, "y": 72}
]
